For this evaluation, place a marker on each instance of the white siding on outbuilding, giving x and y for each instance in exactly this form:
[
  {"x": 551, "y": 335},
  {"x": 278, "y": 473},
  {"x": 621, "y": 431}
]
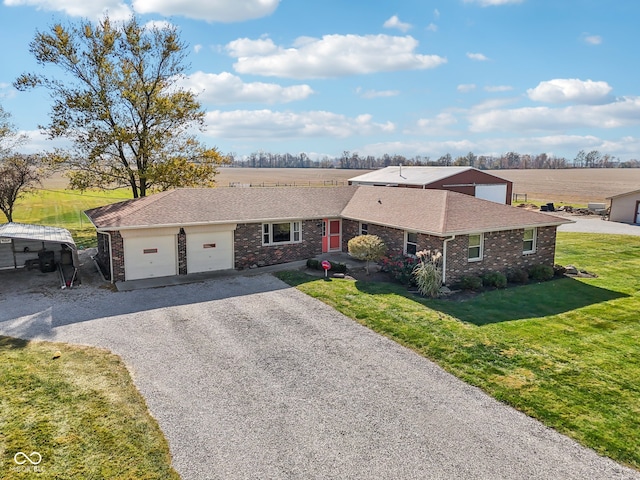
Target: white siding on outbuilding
[{"x": 625, "y": 208}]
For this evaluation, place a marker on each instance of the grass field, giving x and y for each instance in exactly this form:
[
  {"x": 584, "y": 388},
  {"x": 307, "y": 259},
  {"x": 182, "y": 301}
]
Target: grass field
[
  {"x": 565, "y": 352},
  {"x": 64, "y": 208},
  {"x": 80, "y": 412}
]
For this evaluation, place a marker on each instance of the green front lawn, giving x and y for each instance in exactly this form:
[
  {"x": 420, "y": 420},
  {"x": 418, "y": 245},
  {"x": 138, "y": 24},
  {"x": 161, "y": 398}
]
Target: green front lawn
[
  {"x": 566, "y": 352},
  {"x": 80, "y": 412}
]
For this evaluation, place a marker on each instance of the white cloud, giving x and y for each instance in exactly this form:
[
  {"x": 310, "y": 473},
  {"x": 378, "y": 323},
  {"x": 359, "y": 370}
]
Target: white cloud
[
  {"x": 478, "y": 57},
  {"x": 377, "y": 93},
  {"x": 211, "y": 10},
  {"x": 265, "y": 124},
  {"x": 39, "y": 142},
  {"x": 330, "y": 56},
  {"x": 394, "y": 22},
  {"x": 436, "y": 13},
  {"x": 466, "y": 87},
  {"x": 432, "y": 27},
  {"x": 498, "y": 88},
  {"x": 197, "y": 48},
  {"x": 226, "y": 88},
  {"x": 562, "y": 90},
  {"x": 435, "y": 126},
  {"x": 117, "y": 9},
  {"x": 621, "y": 113},
  {"x": 591, "y": 39},
  {"x": 491, "y": 3}
]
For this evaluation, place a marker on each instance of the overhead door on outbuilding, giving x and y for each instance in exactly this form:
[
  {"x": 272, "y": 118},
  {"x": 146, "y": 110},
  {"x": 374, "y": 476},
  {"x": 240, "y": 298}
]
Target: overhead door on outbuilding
[
  {"x": 150, "y": 253},
  {"x": 209, "y": 248},
  {"x": 495, "y": 192}
]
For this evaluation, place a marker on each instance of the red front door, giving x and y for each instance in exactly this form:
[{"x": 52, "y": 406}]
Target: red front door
[
  {"x": 331, "y": 235},
  {"x": 335, "y": 235}
]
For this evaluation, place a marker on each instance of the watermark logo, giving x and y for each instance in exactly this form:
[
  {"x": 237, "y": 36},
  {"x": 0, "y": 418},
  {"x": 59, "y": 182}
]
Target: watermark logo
[
  {"x": 21, "y": 458},
  {"x": 27, "y": 463}
]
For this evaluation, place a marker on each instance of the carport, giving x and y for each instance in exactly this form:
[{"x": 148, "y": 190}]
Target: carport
[{"x": 38, "y": 246}]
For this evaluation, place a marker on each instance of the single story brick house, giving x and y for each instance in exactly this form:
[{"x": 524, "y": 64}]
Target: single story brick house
[
  {"x": 625, "y": 208},
  {"x": 197, "y": 230},
  {"x": 468, "y": 180}
]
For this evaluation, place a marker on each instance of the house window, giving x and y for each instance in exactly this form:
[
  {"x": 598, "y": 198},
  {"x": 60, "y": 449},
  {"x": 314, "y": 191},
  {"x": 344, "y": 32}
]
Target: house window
[
  {"x": 280, "y": 233},
  {"x": 475, "y": 247},
  {"x": 364, "y": 229},
  {"x": 529, "y": 243},
  {"x": 411, "y": 243}
]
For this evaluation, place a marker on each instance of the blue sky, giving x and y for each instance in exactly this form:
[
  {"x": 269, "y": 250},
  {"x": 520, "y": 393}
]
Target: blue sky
[{"x": 414, "y": 77}]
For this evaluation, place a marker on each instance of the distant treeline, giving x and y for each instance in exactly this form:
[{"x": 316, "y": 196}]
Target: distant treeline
[{"x": 511, "y": 160}]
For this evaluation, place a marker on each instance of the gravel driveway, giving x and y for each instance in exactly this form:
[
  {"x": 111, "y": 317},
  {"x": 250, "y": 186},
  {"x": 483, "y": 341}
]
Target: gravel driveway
[
  {"x": 595, "y": 224},
  {"x": 249, "y": 378}
]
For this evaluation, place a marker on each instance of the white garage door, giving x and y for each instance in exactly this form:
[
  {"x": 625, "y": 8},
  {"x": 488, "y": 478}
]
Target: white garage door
[
  {"x": 208, "y": 251},
  {"x": 494, "y": 193},
  {"x": 148, "y": 257}
]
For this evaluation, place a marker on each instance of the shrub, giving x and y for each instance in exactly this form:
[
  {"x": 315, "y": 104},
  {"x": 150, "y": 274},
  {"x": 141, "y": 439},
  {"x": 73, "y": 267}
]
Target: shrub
[
  {"x": 470, "y": 283},
  {"x": 313, "y": 263},
  {"x": 494, "y": 279},
  {"x": 400, "y": 268},
  {"x": 338, "y": 267},
  {"x": 428, "y": 273},
  {"x": 541, "y": 273},
  {"x": 518, "y": 275},
  {"x": 369, "y": 248}
]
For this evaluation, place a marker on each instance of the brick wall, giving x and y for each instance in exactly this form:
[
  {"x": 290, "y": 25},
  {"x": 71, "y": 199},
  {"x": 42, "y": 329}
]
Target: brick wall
[
  {"x": 502, "y": 252},
  {"x": 393, "y": 238},
  {"x": 117, "y": 257},
  {"x": 182, "y": 253},
  {"x": 250, "y": 251},
  {"x": 103, "y": 257}
]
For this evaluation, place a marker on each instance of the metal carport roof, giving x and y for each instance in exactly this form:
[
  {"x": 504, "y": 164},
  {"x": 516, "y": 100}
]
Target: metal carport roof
[{"x": 40, "y": 233}]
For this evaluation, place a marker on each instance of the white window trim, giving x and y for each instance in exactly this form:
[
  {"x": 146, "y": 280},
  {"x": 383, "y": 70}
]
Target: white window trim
[
  {"x": 481, "y": 255},
  {"x": 534, "y": 243},
  {"x": 361, "y": 229},
  {"x": 406, "y": 242},
  {"x": 295, "y": 227}
]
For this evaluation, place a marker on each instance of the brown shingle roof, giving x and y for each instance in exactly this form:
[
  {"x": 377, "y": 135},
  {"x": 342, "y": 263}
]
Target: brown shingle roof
[
  {"x": 223, "y": 205},
  {"x": 436, "y": 212},
  {"x": 439, "y": 212}
]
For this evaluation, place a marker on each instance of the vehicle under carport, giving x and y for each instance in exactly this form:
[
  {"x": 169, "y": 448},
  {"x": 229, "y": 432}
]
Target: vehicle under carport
[{"x": 48, "y": 249}]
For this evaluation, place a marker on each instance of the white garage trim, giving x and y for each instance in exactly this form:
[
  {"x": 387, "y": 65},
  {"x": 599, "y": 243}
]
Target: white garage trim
[
  {"x": 496, "y": 192},
  {"x": 210, "y": 248}
]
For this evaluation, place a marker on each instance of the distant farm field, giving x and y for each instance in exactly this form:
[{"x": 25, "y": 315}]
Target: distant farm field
[
  {"x": 573, "y": 185},
  {"x": 568, "y": 186}
]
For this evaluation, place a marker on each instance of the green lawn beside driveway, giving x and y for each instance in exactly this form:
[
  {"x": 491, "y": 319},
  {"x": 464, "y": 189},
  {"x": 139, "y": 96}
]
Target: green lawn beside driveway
[
  {"x": 566, "y": 352},
  {"x": 80, "y": 413}
]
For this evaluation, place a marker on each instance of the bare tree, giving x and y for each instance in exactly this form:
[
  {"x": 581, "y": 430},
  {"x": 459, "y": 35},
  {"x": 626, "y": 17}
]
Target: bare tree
[{"x": 19, "y": 174}]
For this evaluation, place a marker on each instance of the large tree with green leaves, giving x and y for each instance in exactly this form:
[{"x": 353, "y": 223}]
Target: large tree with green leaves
[{"x": 120, "y": 103}]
